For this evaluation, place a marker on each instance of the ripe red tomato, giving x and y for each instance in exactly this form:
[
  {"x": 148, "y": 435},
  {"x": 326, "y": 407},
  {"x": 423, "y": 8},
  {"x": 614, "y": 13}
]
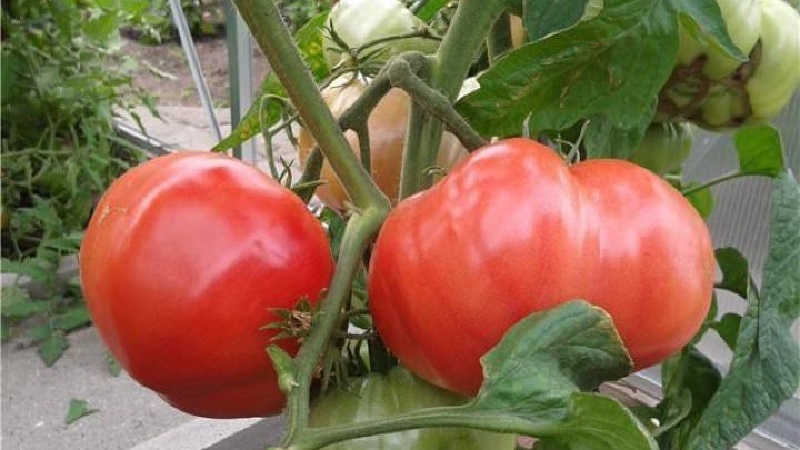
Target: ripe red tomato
[
  {"x": 513, "y": 230},
  {"x": 181, "y": 265}
]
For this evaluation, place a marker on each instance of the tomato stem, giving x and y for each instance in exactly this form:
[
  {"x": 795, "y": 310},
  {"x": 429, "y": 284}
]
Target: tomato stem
[
  {"x": 442, "y": 417},
  {"x": 359, "y": 230},
  {"x": 433, "y": 102},
  {"x": 727, "y": 177},
  {"x": 274, "y": 39},
  {"x": 449, "y": 68},
  {"x": 371, "y": 206}
]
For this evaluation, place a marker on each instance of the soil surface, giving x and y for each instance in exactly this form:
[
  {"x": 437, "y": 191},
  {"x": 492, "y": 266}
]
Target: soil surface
[{"x": 163, "y": 70}]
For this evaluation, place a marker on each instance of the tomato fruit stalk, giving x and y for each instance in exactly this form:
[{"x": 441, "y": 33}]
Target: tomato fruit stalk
[
  {"x": 513, "y": 230},
  {"x": 182, "y": 265},
  {"x": 381, "y": 396}
]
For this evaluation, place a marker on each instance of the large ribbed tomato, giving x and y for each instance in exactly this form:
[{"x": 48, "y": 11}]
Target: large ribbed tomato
[
  {"x": 181, "y": 266},
  {"x": 513, "y": 230}
]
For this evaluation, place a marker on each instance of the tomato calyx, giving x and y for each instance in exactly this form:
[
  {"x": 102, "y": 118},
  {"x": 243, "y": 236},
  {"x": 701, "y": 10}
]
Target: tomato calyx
[{"x": 295, "y": 323}]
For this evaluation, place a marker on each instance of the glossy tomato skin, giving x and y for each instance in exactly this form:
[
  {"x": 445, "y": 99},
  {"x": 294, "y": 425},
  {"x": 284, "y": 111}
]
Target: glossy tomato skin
[
  {"x": 181, "y": 265},
  {"x": 513, "y": 230},
  {"x": 381, "y": 396}
]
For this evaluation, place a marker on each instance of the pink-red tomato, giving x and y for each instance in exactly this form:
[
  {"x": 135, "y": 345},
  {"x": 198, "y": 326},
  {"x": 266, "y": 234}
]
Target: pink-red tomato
[
  {"x": 181, "y": 266},
  {"x": 513, "y": 230}
]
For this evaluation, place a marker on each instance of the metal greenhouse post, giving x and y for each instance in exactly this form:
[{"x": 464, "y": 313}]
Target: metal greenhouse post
[
  {"x": 240, "y": 76},
  {"x": 194, "y": 65}
]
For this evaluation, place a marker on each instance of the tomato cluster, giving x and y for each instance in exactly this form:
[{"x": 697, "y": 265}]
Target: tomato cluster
[{"x": 715, "y": 90}]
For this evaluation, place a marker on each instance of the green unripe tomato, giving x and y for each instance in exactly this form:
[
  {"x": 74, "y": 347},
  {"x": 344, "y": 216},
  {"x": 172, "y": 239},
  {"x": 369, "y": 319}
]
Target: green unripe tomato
[
  {"x": 743, "y": 20},
  {"x": 380, "y": 396},
  {"x": 717, "y": 92},
  {"x": 778, "y": 73},
  {"x": 358, "y": 22},
  {"x": 664, "y": 147},
  {"x": 775, "y": 73}
]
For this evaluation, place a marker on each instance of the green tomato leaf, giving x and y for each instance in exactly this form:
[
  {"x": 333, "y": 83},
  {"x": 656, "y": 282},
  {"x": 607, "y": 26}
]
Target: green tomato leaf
[
  {"x": 701, "y": 18},
  {"x": 735, "y": 271},
  {"x": 102, "y": 28},
  {"x": 17, "y": 303},
  {"x": 265, "y": 111},
  {"x": 543, "y": 18},
  {"x": 690, "y": 381},
  {"x": 309, "y": 40},
  {"x": 765, "y": 370},
  {"x": 112, "y": 365},
  {"x": 612, "y": 66},
  {"x": 598, "y": 423},
  {"x": 675, "y": 410},
  {"x": 575, "y": 347},
  {"x": 702, "y": 200},
  {"x": 759, "y": 149},
  {"x": 52, "y": 348},
  {"x": 77, "y": 409},
  {"x": 76, "y": 317},
  {"x": 728, "y": 328},
  {"x": 604, "y": 140}
]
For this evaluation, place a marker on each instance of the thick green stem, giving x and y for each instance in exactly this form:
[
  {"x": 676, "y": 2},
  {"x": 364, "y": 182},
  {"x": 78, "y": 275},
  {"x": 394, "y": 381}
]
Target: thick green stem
[
  {"x": 359, "y": 230},
  {"x": 274, "y": 39},
  {"x": 264, "y": 21},
  {"x": 450, "y": 66},
  {"x": 727, "y": 177},
  {"x": 444, "y": 417}
]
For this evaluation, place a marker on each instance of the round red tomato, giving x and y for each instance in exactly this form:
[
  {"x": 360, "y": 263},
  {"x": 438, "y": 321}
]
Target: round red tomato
[
  {"x": 181, "y": 266},
  {"x": 513, "y": 230}
]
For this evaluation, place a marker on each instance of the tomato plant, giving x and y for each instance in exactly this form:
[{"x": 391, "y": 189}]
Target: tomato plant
[
  {"x": 182, "y": 265},
  {"x": 521, "y": 277},
  {"x": 399, "y": 391},
  {"x": 434, "y": 274}
]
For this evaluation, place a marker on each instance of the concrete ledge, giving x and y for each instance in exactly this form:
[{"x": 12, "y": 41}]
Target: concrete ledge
[{"x": 211, "y": 434}]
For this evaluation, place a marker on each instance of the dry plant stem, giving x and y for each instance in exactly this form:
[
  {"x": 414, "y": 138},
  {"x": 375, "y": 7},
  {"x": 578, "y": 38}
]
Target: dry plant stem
[{"x": 371, "y": 206}]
